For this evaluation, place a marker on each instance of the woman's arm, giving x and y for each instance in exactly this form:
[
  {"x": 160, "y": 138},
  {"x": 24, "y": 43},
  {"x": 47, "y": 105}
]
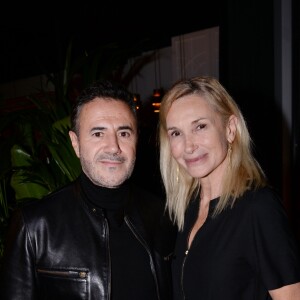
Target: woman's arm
[{"x": 287, "y": 292}]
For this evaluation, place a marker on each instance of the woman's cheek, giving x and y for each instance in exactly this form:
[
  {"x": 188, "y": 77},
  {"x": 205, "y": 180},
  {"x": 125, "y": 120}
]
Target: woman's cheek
[{"x": 176, "y": 150}]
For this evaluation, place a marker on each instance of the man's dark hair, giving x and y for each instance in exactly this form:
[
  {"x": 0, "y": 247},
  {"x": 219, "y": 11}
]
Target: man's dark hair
[{"x": 103, "y": 89}]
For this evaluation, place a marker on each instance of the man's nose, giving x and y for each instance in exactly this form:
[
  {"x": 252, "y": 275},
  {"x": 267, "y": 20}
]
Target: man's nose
[{"x": 112, "y": 145}]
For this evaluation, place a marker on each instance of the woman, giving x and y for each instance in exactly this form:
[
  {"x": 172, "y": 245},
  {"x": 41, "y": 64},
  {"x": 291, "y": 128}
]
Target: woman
[{"x": 234, "y": 238}]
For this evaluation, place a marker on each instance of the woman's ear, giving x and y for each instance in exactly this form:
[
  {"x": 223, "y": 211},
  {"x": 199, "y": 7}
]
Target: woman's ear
[
  {"x": 231, "y": 128},
  {"x": 75, "y": 143}
]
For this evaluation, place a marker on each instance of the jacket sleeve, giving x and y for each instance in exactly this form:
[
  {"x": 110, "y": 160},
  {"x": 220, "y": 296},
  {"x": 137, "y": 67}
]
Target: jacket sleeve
[{"x": 17, "y": 276}]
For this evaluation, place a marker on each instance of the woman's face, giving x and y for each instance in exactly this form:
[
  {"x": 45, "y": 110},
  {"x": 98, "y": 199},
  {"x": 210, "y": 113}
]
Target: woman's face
[{"x": 198, "y": 137}]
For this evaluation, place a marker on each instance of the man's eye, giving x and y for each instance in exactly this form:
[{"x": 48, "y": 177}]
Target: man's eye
[
  {"x": 97, "y": 134},
  {"x": 124, "y": 134}
]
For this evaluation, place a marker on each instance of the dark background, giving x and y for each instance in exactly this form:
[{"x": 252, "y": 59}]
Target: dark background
[{"x": 34, "y": 37}]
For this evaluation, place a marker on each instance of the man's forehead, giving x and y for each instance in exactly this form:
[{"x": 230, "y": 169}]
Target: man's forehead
[{"x": 108, "y": 114}]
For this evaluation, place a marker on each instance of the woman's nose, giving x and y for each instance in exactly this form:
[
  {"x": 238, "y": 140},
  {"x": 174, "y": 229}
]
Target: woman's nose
[{"x": 190, "y": 145}]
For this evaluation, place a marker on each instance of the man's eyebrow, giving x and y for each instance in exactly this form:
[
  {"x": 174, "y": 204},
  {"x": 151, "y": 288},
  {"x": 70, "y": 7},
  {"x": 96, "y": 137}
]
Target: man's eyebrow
[
  {"x": 98, "y": 128},
  {"x": 125, "y": 127}
]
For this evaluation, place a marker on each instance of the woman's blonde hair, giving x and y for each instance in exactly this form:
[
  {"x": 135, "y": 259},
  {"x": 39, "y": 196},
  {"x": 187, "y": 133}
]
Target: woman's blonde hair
[{"x": 243, "y": 172}]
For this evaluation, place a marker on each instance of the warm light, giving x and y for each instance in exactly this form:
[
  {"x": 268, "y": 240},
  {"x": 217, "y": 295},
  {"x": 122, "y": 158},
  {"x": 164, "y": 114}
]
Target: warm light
[
  {"x": 137, "y": 100},
  {"x": 156, "y": 93},
  {"x": 156, "y": 104},
  {"x": 156, "y": 98}
]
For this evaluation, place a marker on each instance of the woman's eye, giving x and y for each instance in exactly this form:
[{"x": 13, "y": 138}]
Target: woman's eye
[
  {"x": 175, "y": 133},
  {"x": 201, "y": 126}
]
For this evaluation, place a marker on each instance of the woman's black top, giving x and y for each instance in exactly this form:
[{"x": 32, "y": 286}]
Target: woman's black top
[{"x": 238, "y": 255}]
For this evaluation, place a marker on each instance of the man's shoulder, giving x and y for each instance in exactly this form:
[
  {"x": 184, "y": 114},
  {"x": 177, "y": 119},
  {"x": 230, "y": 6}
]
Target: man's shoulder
[
  {"x": 152, "y": 209},
  {"x": 59, "y": 199},
  {"x": 146, "y": 192},
  {"x": 147, "y": 198}
]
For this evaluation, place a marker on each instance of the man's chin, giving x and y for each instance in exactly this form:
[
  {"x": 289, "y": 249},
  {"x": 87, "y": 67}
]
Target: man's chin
[
  {"x": 109, "y": 180},
  {"x": 113, "y": 183}
]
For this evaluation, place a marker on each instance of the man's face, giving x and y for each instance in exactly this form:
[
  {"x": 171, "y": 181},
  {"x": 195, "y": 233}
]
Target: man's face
[{"x": 106, "y": 143}]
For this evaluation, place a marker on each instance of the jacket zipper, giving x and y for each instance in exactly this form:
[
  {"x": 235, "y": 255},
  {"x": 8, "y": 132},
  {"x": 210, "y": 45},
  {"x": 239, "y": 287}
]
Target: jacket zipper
[
  {"x": 184, "y": 260},
  {"x": 109, "y": 259},
  {"x": 181, "y": 279},
  {"x": 144, "y": 244},
  {"x": 70, "y": 274},
  {"x": 106, "y": 227}
]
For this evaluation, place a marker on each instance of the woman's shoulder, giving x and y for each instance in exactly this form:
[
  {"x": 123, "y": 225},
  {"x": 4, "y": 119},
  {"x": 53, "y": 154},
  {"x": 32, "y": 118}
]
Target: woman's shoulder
[
  {"x": 262, "y": 201},
  {"x": 265, "y": 195}
]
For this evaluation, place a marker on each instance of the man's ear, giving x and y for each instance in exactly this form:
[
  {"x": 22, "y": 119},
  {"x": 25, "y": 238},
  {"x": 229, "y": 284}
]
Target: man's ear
[
  {"x": 75, "y": 143},
  {"x": 231, "y": 128}
]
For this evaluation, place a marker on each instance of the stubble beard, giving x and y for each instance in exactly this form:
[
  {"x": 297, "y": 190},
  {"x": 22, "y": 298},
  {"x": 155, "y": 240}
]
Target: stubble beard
[{"x": 91, "y": 169}]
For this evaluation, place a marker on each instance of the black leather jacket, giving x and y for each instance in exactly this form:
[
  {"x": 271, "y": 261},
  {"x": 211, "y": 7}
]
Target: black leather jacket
[{"x": 58, "y": 247}]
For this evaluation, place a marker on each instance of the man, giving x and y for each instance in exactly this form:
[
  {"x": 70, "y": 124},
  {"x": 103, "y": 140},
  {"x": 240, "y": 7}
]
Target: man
[{"x": 100, "y": 237}]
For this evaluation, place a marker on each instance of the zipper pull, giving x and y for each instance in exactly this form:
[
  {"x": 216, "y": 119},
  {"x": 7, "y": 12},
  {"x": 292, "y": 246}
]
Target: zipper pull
[{"x": 186, "y": 252}]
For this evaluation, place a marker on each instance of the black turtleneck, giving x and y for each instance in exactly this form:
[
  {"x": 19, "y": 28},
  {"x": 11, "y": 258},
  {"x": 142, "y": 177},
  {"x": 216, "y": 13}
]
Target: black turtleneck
[
  {"x": 107, "y": 198},
  {"x": 131, "y": 271}
]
